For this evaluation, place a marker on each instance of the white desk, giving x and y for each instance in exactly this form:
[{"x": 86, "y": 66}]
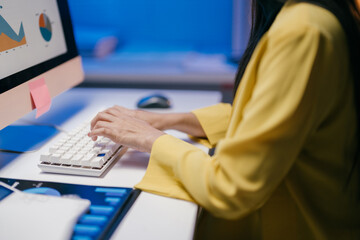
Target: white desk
[{"x": 151, "y": 216}]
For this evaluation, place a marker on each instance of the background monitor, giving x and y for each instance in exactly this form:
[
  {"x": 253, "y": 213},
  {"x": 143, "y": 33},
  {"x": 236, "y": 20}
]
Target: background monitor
[
  {"x": 36, "y": 42},
  {"x": 183, "y": 44},
  {"x": 156, "y": 26},
  {"x": 205, "y": 26}
]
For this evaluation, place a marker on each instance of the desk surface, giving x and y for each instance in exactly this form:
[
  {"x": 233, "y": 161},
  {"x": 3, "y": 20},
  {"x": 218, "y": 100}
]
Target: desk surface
[{"x": 152, "y": 216}]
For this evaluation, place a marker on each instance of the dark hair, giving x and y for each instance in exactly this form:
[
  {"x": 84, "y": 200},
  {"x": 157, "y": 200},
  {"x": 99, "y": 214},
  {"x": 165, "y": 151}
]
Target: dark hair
[
  {"x": 347, "y": 12},
  {"x": 262, "y": 18}
]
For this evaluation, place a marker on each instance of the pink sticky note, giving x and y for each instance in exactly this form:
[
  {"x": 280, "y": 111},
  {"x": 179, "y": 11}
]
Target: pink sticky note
[{"x": 40, "y": 95}]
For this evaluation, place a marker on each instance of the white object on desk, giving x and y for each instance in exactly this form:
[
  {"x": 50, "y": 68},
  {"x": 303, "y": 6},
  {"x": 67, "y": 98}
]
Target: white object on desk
[
  {"x": 78, "y": 154},
  {"x": 34, "y": 216}
]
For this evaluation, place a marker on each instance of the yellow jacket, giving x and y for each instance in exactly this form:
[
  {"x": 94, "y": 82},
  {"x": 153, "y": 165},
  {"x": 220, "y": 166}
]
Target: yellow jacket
[{"x": 285, "y": 147}]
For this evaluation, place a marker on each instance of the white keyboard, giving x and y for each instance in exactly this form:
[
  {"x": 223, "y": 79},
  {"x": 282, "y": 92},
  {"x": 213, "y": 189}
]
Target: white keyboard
[{"x": 77, "y": 154}]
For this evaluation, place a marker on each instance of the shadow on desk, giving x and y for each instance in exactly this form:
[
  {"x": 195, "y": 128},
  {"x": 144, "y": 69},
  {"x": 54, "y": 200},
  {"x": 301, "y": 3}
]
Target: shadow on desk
[{"x": 133, "y": 159}]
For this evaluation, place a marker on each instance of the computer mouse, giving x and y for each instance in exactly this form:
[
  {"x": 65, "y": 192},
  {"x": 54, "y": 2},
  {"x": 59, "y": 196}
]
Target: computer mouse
[{"x": 154, "y": 101}]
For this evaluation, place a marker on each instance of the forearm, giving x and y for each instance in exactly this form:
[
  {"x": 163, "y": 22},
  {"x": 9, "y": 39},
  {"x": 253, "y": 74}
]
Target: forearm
[{"x": 184, "y": 122}]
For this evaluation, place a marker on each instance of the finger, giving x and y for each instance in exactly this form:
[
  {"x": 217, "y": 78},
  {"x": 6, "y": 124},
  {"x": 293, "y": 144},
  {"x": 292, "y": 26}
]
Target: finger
[
  {"x": 105, "y": 121},
  {"x": 101, "y": 116},
  {"x": 94, "y": 121},
  {"x": 98, "y": 125},
  {"x": 113, "y": 111},
  {"x": 94, "y": 138},
  {"x": 104, "y": 131}
]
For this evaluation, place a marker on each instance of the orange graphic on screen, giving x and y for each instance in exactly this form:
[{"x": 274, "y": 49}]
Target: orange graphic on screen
[
  {"x": 9, "y": 38},
  {"x": 45, "y": 27}
]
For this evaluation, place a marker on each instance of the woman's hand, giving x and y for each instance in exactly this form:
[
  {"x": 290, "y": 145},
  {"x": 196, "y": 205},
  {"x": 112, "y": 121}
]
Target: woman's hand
[
  {"x": 121, "y": 126},
  {"x": 184, "y": 122},
  {"x": 157, "y": 120},
  {"x": 139, "y": 129}
]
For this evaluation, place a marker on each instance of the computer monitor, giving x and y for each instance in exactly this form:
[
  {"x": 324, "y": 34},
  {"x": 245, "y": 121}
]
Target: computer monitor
[{"x": 36, "y": 42}]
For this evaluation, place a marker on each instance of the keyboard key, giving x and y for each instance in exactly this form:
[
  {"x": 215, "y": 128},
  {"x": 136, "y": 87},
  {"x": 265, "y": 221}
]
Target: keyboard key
[
  {"x": 66, "y": 158},
  {"x": 84, "y": 152},
  {"x": 69, "y": 145},
  {"x": 96, "y": 150},
  {"x": 71, "y": 141},
  {"x": 85, "y": 161},
  {"x": 53, "y": 149},
  {"x": 45, "y": 157},
  {"x": 107, "y": 152},
  {"x": 62, "y": 148},
  {"x": 75, "y": 160},
  {"x": 61, "y": 152},
  {"x": 55, "y": 158},
  {"x": 97, "y": 162}
]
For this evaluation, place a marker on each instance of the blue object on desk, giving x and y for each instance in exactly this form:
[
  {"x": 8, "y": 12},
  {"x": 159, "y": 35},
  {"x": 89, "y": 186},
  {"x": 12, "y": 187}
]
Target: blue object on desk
[
  {"x": 4, "y": 192},
  {"x": 22, "y": 138},
  {"x": 105, "y": 212},
  {"x": 154, "y": 101}
]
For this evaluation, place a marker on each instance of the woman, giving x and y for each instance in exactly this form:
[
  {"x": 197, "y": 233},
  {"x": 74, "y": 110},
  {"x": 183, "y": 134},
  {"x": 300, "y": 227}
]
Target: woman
[{"x": 286, "y": 150}]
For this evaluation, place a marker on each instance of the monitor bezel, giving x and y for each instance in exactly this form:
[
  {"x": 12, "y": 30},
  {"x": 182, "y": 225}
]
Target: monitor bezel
[{"x": 25, "y": 75}]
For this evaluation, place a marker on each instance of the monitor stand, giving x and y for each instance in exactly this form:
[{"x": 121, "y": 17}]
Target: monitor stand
[{"x": 25, "y": 138}]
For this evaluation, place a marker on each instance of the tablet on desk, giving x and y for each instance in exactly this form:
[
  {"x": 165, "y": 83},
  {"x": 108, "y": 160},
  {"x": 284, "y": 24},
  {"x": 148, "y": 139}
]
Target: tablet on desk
[{"x": 105, "y": 208}]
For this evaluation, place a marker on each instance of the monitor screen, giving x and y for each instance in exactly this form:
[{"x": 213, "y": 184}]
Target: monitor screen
[
  {"x": 36, "y": 41},
  {"x": 42, "y": 40}
]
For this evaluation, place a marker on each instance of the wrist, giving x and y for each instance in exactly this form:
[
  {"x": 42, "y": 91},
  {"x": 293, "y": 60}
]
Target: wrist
[
  {"x": 169, "y": 121},
  {"x": 150, "y": 140}
]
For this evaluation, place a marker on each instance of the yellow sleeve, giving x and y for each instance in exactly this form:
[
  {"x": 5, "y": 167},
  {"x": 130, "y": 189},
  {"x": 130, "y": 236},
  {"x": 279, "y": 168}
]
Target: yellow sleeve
[
  {"x": 214, "y": 121},
  {"x": 265, "y": 135}
]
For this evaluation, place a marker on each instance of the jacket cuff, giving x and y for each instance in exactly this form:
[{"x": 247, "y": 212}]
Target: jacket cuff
[
  {"x": 214, "y": 120},
  {"x": 159, "y": 177}
]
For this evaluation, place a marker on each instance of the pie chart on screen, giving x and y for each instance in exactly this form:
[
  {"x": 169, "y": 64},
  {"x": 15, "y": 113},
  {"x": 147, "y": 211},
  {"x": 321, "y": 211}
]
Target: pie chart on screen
[{"x": 45, "y": 27}]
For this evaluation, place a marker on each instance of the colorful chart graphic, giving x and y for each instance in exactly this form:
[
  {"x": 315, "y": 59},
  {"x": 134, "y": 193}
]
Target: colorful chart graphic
[
  {"x": 45, "y": 27},
  {"x": 8, "y": 37}
]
